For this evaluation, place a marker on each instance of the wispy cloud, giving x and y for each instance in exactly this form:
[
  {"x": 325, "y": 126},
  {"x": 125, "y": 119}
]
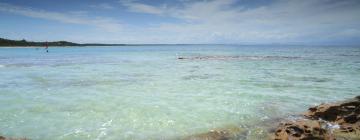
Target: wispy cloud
[
  {"x": 211, "y": 21},
  {"x": 104, "y": 6},
  {"x": 280, "y": 21},
  {"x": 107, "y": 24},
  {"x": 143, "y": 8}
]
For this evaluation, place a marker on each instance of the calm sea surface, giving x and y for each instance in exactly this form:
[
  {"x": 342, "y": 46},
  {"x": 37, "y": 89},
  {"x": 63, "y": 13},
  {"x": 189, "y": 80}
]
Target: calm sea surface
[{"x": 145, "y": 92}]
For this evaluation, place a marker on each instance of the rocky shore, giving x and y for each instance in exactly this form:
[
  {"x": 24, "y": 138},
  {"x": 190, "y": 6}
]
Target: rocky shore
[
  {"x": 331, "y": 121},
  {"x": 340, "y": 120}
]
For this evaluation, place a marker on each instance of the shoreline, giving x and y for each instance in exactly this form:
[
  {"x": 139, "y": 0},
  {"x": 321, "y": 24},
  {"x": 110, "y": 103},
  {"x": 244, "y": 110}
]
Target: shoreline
[{"x": 327, "y": 121}]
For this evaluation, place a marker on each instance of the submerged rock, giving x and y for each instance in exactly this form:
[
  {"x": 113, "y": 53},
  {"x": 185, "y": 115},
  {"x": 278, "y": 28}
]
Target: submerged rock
[
  {"x": 230, "y": 133},
  {"x": 4, "y": 138},
  {"x": 332, "y": 121},
  {"x": 212, "y": 135},
  {"x": 236, "y": 57}
]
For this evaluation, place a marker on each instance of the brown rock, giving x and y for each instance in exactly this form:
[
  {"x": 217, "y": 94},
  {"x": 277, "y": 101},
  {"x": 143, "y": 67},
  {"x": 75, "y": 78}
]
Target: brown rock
[
  {"x": 301, "y": 130},
  {"x": 4, "y": 138},
  {"x": 346, "y": 114}
]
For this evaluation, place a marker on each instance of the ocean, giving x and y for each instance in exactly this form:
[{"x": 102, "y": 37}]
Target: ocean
[{"x": 167, "y": 91}]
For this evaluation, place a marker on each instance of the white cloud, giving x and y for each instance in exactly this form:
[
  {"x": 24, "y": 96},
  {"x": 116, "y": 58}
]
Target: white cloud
[
  {"x": 282, "y": 21},
  {"x": 107, "y": 24},
  {"x": 219, "y": 21},
  {"x": 104, "y": 6},
  {"x": 142, "y": 8}
]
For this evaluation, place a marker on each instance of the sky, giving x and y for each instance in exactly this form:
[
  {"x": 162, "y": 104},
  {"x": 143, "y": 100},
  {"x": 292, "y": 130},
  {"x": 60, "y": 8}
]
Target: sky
[{"x": 183, "y": 21}]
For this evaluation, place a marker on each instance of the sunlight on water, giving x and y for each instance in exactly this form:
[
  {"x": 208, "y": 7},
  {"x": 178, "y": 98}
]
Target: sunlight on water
[{"x": 146, "y": 92}]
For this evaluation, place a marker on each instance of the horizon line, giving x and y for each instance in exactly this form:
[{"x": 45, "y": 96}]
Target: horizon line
[{"x": 151, "y": 44}]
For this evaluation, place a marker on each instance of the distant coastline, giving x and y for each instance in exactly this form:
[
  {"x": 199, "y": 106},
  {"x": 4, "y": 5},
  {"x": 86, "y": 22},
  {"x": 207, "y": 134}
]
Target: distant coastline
[
  {"x": 24, "y": 43},
  {"x": 8, "y": 43}
]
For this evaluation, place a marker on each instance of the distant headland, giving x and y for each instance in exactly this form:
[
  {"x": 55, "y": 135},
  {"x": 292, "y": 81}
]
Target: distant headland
[{"x": 24, "y": 43}]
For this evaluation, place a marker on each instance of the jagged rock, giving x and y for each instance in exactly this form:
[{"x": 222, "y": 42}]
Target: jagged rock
[
  {"x": 345, "y": 115},
  {"x": 342, "y": 112},
  {"x": 301, "y": 130}
]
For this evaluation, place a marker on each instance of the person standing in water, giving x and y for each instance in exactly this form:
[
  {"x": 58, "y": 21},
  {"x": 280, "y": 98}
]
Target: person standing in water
[{"x": 46, "y": 46}]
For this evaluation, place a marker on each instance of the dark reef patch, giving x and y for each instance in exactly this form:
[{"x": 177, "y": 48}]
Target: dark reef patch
[
  {"x": 236, "y": 57},
  {"x": 229, "y": 133}
]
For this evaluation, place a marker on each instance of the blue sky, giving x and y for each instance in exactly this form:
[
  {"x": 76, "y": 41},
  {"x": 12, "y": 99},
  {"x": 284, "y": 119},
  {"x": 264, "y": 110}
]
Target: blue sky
[{"x": 183, "y": 21}]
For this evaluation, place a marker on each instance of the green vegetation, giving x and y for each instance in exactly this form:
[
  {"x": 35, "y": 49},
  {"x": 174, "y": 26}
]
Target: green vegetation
[
  {"x": 7, "y": 42},
  {"x": 15, "y": 43}
]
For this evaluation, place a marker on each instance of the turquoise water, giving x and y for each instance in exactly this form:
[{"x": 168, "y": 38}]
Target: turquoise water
[{"x": 145, "y": 92}]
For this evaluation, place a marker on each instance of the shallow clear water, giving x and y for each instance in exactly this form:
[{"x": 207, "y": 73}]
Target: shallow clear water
[{"x": 145, "y": 92}]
